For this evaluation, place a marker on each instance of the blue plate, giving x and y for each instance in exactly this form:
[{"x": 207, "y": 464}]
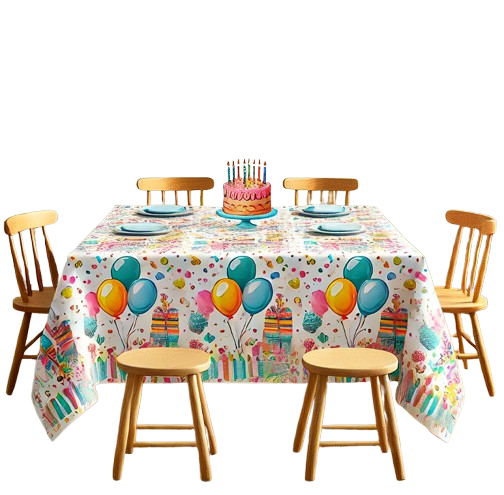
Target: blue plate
[
  {"x": 143, "y": 227},
  {"x": 164, "y": 209},
  {"x": 324, "y": 209},
  {"x": 340, "y": 227}
]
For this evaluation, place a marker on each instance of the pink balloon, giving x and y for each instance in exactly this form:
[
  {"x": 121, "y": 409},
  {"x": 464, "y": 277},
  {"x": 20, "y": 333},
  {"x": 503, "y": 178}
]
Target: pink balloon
[
  {"x": 204, "y": 303},
  {"x": 92, "y": 304},
  {"x": 319, "y": 303}
]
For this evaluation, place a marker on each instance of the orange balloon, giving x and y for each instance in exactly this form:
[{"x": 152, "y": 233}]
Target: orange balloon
[
  {"x": 341, "y": 295},
  {"x": 227, "y": 296},
  {"x": 112, "y": 297}
]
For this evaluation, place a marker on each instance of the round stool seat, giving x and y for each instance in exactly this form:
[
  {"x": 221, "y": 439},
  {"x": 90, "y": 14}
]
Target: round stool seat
[
  {"x": 164, "y": 361},
  {"x": 343, "y": 362}
]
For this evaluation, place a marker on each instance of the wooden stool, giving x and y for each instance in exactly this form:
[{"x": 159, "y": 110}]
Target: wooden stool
[
  {"x": 163, "y": 361},
  {"x": 356, "y": 363}
]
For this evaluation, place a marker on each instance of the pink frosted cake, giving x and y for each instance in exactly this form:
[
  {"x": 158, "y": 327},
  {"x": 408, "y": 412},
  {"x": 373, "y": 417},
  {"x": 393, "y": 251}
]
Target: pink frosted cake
[{"x": 248, "y": 195}]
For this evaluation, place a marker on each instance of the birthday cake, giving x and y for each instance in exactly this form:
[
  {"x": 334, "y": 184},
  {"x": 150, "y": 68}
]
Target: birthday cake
[{"x": 247, "y": 195}]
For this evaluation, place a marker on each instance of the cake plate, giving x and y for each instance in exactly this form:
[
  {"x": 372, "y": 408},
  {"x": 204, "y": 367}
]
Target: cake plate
[{"x": 246, "y": 220}]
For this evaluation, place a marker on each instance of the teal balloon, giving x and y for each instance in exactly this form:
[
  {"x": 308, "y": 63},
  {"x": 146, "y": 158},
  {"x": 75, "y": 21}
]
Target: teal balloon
[
  {"x": 257, "y": 295},
  {"x": 126, "y": 269},
  {"x": 358, "y": 269},
  {"x": 242, "y": 270},
  {"x": 372, "y": 295},
  {"x": 142, "y": 295}
]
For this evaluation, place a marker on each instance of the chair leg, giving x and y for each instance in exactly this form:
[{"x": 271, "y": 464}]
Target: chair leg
[
  {"x": 122, "y": 434},
  {"x": 480, "y": 347},
  {"x": 18, "y": 353},
  {"x": 199, "y": 428},
  {"x": 378, "y": 409},
  {"x": 135, "y": 406},
  {"x": 206, "y": 417},
  {"x": 460, "y": 329},
  {"x": 393, "y": 433},
  {"x": 305, "y": 412},
  {"x": 316, "y": 428}
]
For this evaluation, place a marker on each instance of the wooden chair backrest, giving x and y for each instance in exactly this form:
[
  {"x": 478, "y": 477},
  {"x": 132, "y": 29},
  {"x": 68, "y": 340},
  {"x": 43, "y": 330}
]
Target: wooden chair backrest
[
  {"x": 332, "y": 186},
  {"x": 474, "y": 271},
  {"x": 175, "y": 184},
  {"x": 19, "y": 224}
]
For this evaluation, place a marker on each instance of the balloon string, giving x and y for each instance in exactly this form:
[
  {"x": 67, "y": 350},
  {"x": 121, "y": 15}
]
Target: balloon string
[
  {"x": 245, "y": 328},
  {"x": 232, "y": 334},
  {"x": 359, "y": 328},
  {"x": 132, "y": 329},
  {"x": 344, "y": 331},
  {"x": 119, "y": 333}
]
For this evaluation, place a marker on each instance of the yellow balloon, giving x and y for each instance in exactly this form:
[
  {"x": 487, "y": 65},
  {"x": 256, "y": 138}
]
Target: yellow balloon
[
  {"x": 112, "y": 297},
  {"x": 227, "y": 296},
  {"x": 341, "y": 296}
]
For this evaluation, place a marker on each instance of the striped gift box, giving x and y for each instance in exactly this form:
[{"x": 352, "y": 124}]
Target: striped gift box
[
  {"x": 165, "y": 328},
  {"x": 393, "y": 324},
  {"x": 278, "y": 328}
]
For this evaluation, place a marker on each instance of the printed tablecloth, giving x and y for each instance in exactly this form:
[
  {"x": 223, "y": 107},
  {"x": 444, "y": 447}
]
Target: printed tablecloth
[{"x": 255, "y": 300}]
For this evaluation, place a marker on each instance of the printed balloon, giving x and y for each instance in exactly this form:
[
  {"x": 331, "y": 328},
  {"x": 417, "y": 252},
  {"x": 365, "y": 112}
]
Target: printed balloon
[
  {"x": 341, "y": 296},
  {"x": 373, "y": 294},
  {"x": 142, "y": 295},
  {"x": 358, "y": 269},
  {"x": 112, "y": 297},
  {"x": 227, "y": 296},
  {"x": 126, "y": 269},
  {"x": 242, "y": 270},
  {"x": 257, "y": 295}
]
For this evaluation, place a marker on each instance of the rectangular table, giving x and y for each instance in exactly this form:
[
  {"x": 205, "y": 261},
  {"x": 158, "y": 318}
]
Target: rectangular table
[{"x": 189, "y": 288}]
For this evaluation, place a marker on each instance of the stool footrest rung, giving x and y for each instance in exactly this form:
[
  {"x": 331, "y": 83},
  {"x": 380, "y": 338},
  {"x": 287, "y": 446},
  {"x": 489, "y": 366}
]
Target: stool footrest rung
[
  {"x": 350, "y": 444},
  {"x": 164, "y": 444},
  {"x": 165, "y": 427},
  {"x": 349, "y": 427}
]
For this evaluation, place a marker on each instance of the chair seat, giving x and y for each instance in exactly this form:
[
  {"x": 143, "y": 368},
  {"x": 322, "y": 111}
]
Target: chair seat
[
  {"x": 38, "y": 302},
  {"x": 342, "y": 362},
  {"x": 164, "y": 361},
  {"x": 455, "y": 301}
]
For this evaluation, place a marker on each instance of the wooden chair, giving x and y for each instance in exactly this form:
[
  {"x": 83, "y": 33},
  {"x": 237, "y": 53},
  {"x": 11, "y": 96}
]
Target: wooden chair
[
  {"x": 164, "y": 361},
  {"x": 30, "y": 301},
  {"x": 175, "y": 184},
  {"x": 332, "y": 186},
  {"x": 357, "y": 363},
  {"x": 468, "y": 299}
]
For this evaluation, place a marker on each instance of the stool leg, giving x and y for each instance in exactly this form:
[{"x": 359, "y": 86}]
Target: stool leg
[
  {"x": 316, "y": 428},
  {"x": 122, "y": 435},
  {"x": 206, "y": 417},
  {"x": 199, "y": 428},
  {"x": 135, "y": 406},
  {"x": 393, "y": 433},
  {"x": 305, "y": 412},
  {"x": 380, "y": 418}
]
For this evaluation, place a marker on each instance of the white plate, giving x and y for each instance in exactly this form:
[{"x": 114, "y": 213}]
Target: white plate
[
  {"x": 315, "y": 230},
  {"x": 119, "y": 231},
  {"x": 187, "y": 211}
]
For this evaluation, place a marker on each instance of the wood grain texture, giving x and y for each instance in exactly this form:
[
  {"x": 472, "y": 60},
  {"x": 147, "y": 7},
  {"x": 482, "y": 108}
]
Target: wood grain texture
[
  {"x": 316, "y": 428},
  {"x": 331, "y": 185},
  {"x": 175, "y": 184},
  {"x": 305, "y": 412}
]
